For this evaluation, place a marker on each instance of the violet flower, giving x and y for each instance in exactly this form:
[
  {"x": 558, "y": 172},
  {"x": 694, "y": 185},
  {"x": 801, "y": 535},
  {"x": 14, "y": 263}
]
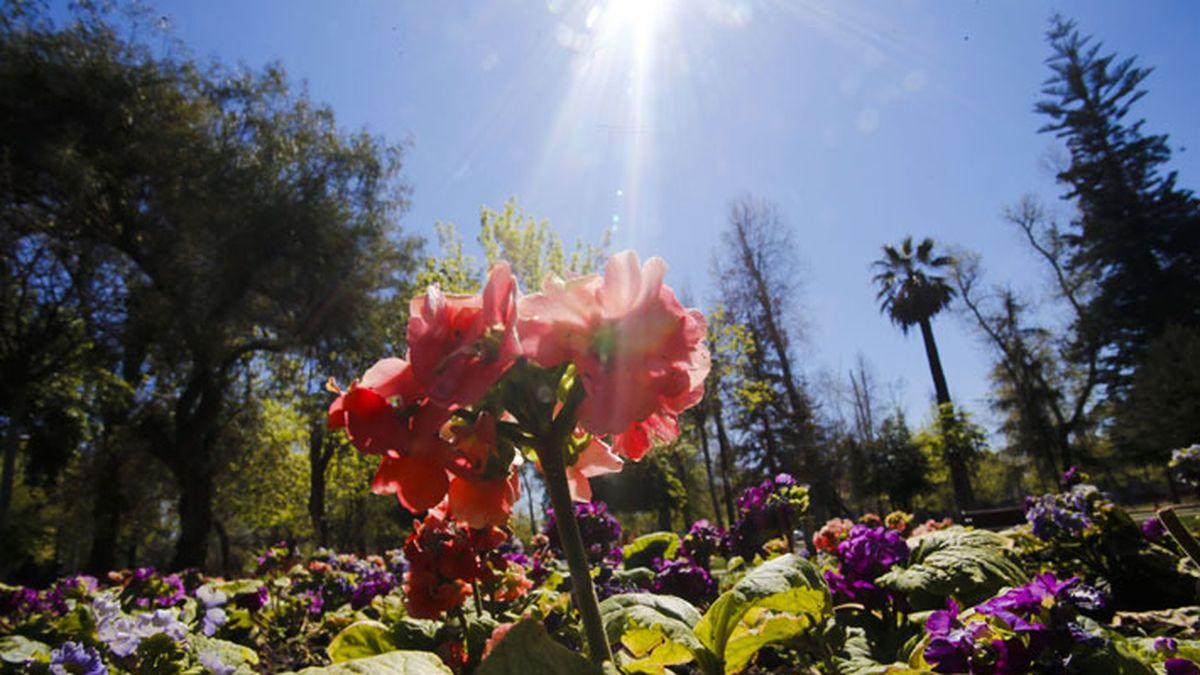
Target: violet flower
[{"x": 76, "y": 659}]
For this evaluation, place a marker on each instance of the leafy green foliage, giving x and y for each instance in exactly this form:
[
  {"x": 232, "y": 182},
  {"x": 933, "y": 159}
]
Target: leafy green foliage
[
  {"x": 392, "y": 663},
  {"x": 642, "y": 551},
  {"x": 528, "y": 649},
  {"x": 361, "y": 640},
  {"x": 968, "y": 565},
  {"x": 655, "y": 631},
  {"x": 18, "y": 649},
  {"x": 773, "y": 603}
]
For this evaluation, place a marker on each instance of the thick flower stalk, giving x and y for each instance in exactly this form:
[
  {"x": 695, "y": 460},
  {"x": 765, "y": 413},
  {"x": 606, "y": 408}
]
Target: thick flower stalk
[{"x": 587, "y": 373}]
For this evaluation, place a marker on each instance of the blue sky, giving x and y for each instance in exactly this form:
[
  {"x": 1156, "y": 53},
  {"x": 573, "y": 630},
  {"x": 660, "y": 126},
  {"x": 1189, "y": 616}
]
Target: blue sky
[{"x": 861, "y": 121}]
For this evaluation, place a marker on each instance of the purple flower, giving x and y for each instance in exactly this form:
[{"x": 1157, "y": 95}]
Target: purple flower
[
  {"x": 1181, "y": 667},
  {"x": 76, "y": 659},
  {"x": 374, "y": 585},
  {"x": 212, "y": 663},
  {"x": 1153, "y": 529},
  {"x": 1071, "y": 476},
  {"x": 685, "y": 579},
  {"x": 765, "y": 511},
  {"x": 600, "y": 531},
  {"x": 871, "y": 551},
  {"x": 316, "y": 601},
  {"x": 253, "y": 601},
  {"x": 1166, "y": 645},
  {"x": 704, "y": 540},
  {"x": 19, "y": 601},
  {"x": 176, "y": 593}
]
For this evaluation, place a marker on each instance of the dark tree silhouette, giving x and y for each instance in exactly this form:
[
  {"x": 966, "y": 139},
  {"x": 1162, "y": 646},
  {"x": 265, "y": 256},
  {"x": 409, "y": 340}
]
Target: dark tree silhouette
[{"x": 913, "y": 288}]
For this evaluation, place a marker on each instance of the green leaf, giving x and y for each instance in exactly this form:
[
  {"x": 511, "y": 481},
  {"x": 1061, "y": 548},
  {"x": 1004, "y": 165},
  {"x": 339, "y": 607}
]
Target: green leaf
[
  {"x": 419, "y": 634},
  {"x": 787, "y": 587},
  {"x": 642, "y": 551},
  {"x": 231, "y": 654},
  {"x": 360, "y": 640},
  {"x": 527, "y": 649},
  {"x": 400, "y": 662},
  {"x": 18, "y": 649},
  {"x": 969, "y": 565},
  {"x": 654, "y": 629}
]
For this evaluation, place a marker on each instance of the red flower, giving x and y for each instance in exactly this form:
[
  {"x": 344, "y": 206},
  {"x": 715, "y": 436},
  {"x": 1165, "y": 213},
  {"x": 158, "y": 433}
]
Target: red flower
[
  {"x": 443, "y": 559},
  {"x": 386, "y": 413},
  {"x": 481, "y": 503},
  {"x": 461, "y": 344},
  {"x": 638, "y": 352}
]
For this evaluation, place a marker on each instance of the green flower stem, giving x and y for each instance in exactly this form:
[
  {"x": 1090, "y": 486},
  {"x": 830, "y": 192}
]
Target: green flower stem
[{"x": 552, "y": 457}]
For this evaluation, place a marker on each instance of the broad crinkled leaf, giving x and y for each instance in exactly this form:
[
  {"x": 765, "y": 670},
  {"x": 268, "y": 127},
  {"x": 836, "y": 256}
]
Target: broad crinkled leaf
[
  {"x": 787, "y": 594},
  {"x": 653, "y": 628},
  {"x": 393, "y": 663},
  {"x": 240, "y": 658},
  {"x": 969, "y": 565},
  {"x": 19, "y": 649},
  {"x": 642, "y": 551},
  {"x": 527, "y": 649},
  {"x": 361, "y": 640}
]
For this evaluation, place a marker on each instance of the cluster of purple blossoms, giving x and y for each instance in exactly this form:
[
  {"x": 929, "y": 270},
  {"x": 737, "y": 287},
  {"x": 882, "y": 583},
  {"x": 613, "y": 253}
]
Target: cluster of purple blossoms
[
  {"x": 1032, "y": 616},
  {"x": 1185, "y": 464},
  {"x": 864, "y": 555},
  {"x": 1153, "y": 529},
  {"x": 599, "y": 529},
  {"x": 703, "y": 541},
  {"x": 122, "y": 633},
  {"x": 766, "y": 511},
  {"x": 1174, "y": 665},
  {"x": 211, "y": 603},
  {"x": 147, "y": 589},
  {"x": 371, "y": 586},
  {"x": 1063, "y": 514},
  {"x": 684, "y": 578}
]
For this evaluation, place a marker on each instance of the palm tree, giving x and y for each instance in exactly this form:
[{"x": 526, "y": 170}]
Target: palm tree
[{"x": 912, "y": 289}]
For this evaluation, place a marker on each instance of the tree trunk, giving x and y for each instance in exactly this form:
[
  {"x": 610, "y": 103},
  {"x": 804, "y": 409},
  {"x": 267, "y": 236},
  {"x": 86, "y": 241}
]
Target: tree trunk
[
  {"x": 725, "y": 451},
  {"x": 702, "y": 425},
  {"x": 106, "y": 517},
  {"x": 533, "y": 523},
  {"x": 223, "y": 543},
  {"x": 769, "y": 436},
  {"x": 960, "y": 475},
  {"x": 935, "y": 363},
  {"x": 318, "y": 462},
  {"x": 195, "y": 517},
  {"x": 12, "y": 444}
]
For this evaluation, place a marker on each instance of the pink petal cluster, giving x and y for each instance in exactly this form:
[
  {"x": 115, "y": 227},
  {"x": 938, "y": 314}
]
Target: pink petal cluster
[
  {"x": 640, "y": 355},
  {"x": 402, "y": 410}
]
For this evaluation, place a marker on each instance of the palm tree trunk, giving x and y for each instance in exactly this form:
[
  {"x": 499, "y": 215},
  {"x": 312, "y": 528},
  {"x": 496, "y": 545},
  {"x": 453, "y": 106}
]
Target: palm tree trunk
[
  {"x": 960, "y": 475},
  {"x": 935, "y": 363}
]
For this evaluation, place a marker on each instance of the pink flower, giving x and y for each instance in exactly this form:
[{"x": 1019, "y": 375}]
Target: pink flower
[
  {"x": 638, "y": 352},
  {"x": 461, "y": 344},
  {"x": 498, "y": 634},
  {"x": 596, "y": 459}
]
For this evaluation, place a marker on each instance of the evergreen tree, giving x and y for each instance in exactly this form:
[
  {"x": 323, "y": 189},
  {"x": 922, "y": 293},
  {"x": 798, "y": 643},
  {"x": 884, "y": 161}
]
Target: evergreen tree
[{"x": 1137, "y": 235}]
